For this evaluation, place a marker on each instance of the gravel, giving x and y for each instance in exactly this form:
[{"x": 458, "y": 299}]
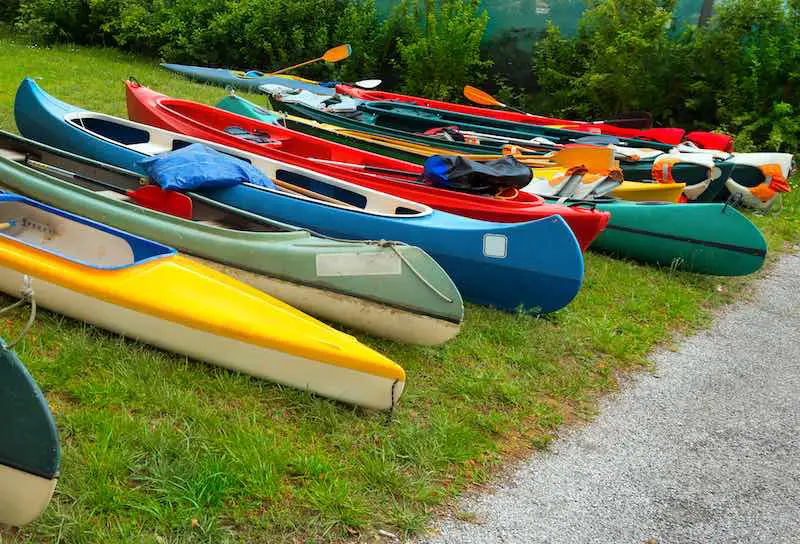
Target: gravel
[{"x": 705, "y": 449}]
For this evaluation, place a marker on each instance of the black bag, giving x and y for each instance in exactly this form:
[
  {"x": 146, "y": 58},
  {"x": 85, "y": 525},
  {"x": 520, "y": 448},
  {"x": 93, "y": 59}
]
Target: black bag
[{"x": 490, "y": 177}]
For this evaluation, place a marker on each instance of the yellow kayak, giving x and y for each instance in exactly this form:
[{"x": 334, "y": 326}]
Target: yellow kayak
[
  {"x": 144, "y": 290},
  {"x": 641, "y": 191}
]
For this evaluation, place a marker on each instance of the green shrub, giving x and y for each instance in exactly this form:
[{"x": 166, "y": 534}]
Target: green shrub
[
  {"x": 439, "y": 45},
  {"x": 741, "y": 72}
]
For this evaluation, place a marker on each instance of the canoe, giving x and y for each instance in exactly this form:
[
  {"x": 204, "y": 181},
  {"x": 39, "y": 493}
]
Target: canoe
[
  {"x": 633, "y": 170},
  {"x": 536, "y": 265},
  {"x": 391, "y": 290},
  {"x": 249, "y": 80},
  {"x": 630, "y": 190},
  {"x": 144, "y": 290},
  {"x": 671, "y": 136},
  {"x": 30, "y": 455},
  {"x": 710, "y": 238},
  {"x": 207, "y": 122}
]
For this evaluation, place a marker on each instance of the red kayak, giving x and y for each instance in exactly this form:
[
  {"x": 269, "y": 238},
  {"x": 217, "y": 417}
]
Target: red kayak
[
  {"x": 672, "y": 136},
  {"x": 209, "y": 123}
]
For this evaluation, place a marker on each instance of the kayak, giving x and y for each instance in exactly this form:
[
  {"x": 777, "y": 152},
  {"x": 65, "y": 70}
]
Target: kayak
[
  {"x": 535, "y": 265},
  {"x": 671, "y": 136},
  {"x": 30, "y": 455},
  {"x": 390, "y": 290},
  {"x": 417, "y": 153},
  {"x": 144, "y": 290},
  {"x": 710, "y": 238},
  {"x": 711, "y": 179},
  {"x": 345, "y": 163},
  {"x": 249, "y": 80}
]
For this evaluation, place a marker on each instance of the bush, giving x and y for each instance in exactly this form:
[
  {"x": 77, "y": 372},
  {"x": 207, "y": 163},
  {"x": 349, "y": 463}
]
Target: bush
[
  {"x": 432, "y": 46},
  {"x": 740, "y": 72},
  {"x": 439, "y": 45}
]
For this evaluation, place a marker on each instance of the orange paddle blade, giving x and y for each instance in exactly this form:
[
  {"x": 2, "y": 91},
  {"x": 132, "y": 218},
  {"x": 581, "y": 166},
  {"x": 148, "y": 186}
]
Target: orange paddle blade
[
  {"x": 337, "y": 53},
  {"x": 594, "y": 158},
  {"x": 481, "y": 97}
]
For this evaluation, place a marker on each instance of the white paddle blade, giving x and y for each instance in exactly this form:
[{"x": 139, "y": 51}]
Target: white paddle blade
[{"x": 368, "y": 83}]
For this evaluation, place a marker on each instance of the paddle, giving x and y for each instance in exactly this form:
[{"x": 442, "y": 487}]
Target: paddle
[
  {"x": 367, "y": 168},
  {"x": 633, "y": 119},
  {"x": 367, "y": 83},
  {"x": 335, "y": 54},
  {"x": 485, "y": 99}
]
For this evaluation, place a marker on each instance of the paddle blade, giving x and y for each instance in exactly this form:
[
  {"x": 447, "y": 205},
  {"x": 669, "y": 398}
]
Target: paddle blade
[
  {"x": 156, "y": 198},
  {"x": 368, "y": 83},
  {"x": 337, "y": 53},
  {"x": 595, "y": 159},
  {"x": 481, "y": 97}
]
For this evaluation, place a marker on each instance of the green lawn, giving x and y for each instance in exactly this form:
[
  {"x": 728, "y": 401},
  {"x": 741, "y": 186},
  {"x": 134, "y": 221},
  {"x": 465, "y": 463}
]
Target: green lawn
[{"x": 161, "y": 449}]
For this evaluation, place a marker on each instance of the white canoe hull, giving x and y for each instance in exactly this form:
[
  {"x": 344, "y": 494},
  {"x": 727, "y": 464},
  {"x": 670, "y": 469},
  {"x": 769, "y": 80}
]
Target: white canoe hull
[
  {"x": 23, "y": 496},
  {"x": 371, "y": 317}
]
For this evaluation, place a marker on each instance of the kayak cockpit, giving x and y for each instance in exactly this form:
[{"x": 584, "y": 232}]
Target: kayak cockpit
[{"x": 72, "y": 237}]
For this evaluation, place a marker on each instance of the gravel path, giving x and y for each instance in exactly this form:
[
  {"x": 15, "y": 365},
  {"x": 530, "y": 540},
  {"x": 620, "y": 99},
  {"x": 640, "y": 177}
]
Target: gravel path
[{"x": 707, "y": 449}]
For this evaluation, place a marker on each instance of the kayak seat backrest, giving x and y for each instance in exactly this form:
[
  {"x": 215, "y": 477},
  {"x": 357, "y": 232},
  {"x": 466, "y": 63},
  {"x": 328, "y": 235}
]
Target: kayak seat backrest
[
  {"x": 123, "y": 134},
  {"x": 73, "y": 238}
]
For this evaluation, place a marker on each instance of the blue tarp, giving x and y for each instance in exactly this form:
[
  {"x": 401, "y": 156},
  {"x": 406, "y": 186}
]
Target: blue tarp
[{"x": 200, "y": 167}]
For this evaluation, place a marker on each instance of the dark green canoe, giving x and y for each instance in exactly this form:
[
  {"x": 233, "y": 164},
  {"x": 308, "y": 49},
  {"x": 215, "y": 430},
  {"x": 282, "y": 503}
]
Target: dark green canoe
[{"x": 711, "y": 238}]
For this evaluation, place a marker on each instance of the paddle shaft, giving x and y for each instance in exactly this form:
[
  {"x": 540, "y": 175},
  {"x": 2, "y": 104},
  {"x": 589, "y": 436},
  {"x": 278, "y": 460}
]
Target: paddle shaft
[{"x": 312, "y": 194}]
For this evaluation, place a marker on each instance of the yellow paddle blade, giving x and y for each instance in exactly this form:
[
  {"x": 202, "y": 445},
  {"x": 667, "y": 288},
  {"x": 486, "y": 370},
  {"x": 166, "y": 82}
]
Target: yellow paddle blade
[
  {"x": 594, "y": 158},
  {"x": 481, "y": 97},
  {"x": 340, "y": 52}
]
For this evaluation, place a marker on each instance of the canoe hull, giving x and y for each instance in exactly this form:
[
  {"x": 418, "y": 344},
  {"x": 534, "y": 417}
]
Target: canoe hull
[
  {"x": 334, "y": 382},
  {"x": 30, "y": 455},
  {"x": 202, "y": 121},
  {"x": 282, "y": 264},
  {"x": 392, "y": 323},
  {"x": 703, "y": 238},
  {"x": 536, "y": 265},
  {"x": 230, "y": 78}
]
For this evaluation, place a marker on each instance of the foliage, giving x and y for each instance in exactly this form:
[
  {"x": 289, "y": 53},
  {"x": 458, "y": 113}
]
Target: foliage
[
  {"x": 439, "y": 46},
  {"x": 436, "y": 45},
  {"x": 741, "y": 72},
  {"x": 618, "y": 60}
]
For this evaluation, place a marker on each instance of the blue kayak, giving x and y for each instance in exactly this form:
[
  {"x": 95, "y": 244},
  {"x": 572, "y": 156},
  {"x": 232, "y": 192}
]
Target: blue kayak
[
  {"x": 536, "y": 265},
  {"x": 247, "y": 80}
]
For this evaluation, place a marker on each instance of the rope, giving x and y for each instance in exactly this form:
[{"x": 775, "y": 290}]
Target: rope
[
  {"x": 26, "y": 295},
  {"x": 390, "y": 413},
  {"x": 417, "y": 274}
]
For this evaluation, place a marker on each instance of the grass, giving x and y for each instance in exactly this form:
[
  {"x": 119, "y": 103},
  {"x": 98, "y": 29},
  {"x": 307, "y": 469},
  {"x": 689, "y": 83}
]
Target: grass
[{"x": 160, "y": 449}]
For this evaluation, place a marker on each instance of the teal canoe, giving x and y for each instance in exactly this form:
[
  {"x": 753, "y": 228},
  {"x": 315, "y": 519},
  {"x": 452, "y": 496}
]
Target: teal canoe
[
  {"x": 710, "y": 238},
  {"x": 30, "y": 456},
  {"x": 391, "y": 290}
]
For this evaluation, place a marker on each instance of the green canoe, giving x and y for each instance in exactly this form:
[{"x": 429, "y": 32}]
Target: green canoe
[
  {"x": 708, "y": 238},
  {"x": 702, "y": 238},
  {"x": 387, "y": 289},
  {"x": 30, "y": 457}
]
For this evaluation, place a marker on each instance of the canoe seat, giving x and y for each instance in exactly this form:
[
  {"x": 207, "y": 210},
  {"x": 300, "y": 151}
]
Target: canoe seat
[
  {"x": 114, "y": 195},
  {"x": 12, "y": 155},
  {"x": 148, "y": 148}
]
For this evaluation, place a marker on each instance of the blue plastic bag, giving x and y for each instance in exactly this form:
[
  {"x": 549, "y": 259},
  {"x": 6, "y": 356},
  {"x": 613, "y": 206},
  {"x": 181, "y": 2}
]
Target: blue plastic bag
[{"x": 200, "y": 167}]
